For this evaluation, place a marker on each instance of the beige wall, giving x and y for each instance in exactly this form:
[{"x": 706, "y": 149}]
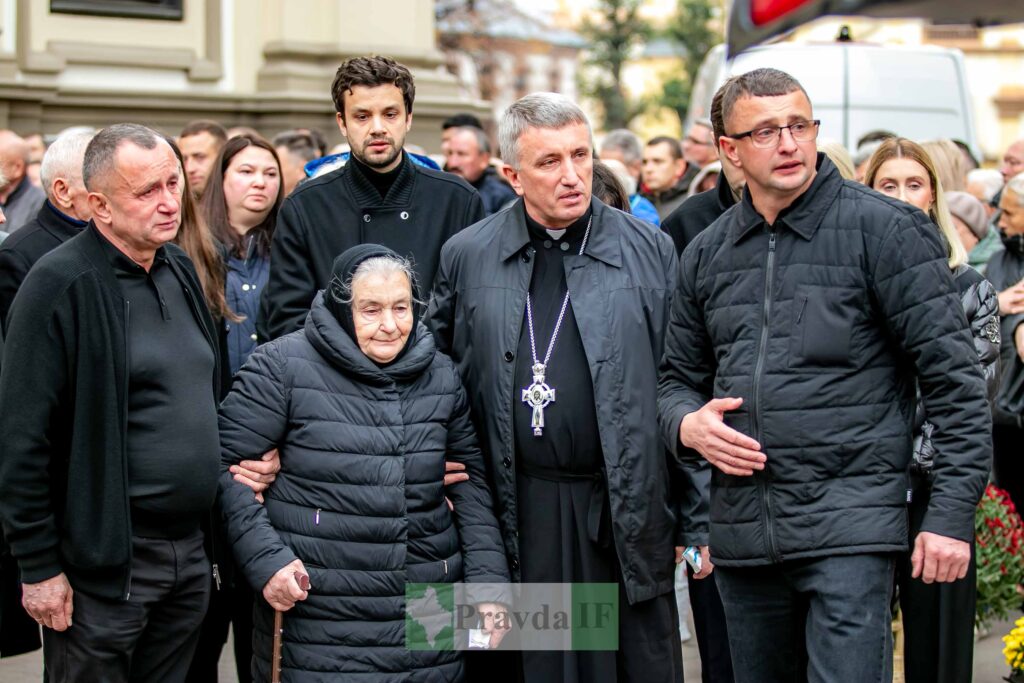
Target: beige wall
[{"x": 263, "y": 63}]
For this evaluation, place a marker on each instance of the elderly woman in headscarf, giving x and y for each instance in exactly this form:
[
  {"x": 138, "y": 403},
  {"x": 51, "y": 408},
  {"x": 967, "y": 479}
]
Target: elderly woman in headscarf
[{"x": 364, "y": 411}]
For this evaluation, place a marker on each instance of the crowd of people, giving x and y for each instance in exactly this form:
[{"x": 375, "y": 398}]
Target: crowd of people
[{"x": 244, "y": 375}]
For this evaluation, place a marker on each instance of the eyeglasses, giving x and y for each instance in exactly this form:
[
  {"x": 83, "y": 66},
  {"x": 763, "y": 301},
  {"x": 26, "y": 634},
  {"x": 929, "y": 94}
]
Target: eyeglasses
[{"x": 769, "y": 136}]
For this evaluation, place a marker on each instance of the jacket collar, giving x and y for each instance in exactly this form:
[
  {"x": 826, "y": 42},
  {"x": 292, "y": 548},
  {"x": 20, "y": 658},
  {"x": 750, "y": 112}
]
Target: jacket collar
[
  {"x": 603, "y": 243},
  {"x": 724, "y": 193},
  {"x": 54, "y": 221},
  {"x": 366, "y": 194},
  {"x": 804, "y": 215}
]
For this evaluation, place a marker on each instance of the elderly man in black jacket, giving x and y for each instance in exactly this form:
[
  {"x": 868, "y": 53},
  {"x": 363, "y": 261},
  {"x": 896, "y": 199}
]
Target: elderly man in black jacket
[
  {"x": 378, "y": 197},
  {"x": 109, "y": 459},
  {"x": 801, "y": 319},
  {"x": 62, "y": 216},
  {"x": 553, "y": 310}
]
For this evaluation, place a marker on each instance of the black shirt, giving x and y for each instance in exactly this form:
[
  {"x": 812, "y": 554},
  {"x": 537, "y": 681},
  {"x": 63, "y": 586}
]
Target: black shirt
[
  {"x": 381, "y": 181},
  {"x": 173, "y": 443},
  {"x": 570, "y": 440}
]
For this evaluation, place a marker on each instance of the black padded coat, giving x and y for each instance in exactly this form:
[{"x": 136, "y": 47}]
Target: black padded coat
[
  {"x": 821, "y": 323},
  {"x": 981, "y": 306},
  {"x": 359, "y": 499}
]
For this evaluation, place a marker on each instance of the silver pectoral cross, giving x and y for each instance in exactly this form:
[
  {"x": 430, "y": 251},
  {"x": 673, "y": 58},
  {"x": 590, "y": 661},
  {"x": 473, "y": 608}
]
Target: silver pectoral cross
[{"x": 538, "y": 395}]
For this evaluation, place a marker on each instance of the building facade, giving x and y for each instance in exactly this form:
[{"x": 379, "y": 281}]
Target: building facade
[{"x": 261, "y": 63}]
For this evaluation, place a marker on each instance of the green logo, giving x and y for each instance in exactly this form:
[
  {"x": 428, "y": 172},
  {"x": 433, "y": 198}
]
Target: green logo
[{"x": 430, "y": 616}]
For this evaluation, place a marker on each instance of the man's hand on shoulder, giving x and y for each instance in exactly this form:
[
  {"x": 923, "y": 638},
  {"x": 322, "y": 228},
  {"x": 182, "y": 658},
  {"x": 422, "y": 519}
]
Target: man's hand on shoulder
[
  {"x": 49, "y": 602},
  {"x": 732, "y": 452},
  {"x": 939, "y": 559}
]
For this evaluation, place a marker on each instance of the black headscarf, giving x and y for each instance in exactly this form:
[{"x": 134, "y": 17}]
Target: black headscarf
[{"x": 341, "y": 273}]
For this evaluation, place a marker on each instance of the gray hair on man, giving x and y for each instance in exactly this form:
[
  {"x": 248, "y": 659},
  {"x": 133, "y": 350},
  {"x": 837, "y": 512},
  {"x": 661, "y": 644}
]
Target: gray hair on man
[
  {"x": 763, "y": 82},
  {"x": 63, "y": 159},
  {"x": 1016, "y": 186},
  {"x": 482, "y": 143},
  {"x": 102, "y": 149},
  {"x": 625, "y": 141},
  {"x": 989, "y": 179},
  {"x": 536, "y": 110}
]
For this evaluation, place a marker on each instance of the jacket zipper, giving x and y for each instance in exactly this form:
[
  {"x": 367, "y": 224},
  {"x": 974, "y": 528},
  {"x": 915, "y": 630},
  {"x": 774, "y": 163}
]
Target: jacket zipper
[
  {"x": 762, "y": 476},
  {"x": 126, "y": 380}
]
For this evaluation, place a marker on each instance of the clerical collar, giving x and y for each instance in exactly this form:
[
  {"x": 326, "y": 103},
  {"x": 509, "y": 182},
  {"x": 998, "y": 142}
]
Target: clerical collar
[
  {"x": 572, "y": 234},
  {"x": 381, "y": 182}
]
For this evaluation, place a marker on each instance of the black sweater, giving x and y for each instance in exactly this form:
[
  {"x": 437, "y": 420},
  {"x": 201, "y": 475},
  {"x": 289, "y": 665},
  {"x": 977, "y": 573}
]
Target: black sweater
[{"x": 63, "y": 458}]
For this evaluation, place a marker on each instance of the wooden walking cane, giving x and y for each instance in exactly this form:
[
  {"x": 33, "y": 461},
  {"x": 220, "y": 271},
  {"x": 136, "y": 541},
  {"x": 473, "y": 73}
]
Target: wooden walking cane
[{"x": 275, "y": 655}]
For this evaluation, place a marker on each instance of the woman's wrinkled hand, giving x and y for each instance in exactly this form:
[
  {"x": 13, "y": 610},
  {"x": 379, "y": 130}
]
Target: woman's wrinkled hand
[{"x": 285, "y": 588}]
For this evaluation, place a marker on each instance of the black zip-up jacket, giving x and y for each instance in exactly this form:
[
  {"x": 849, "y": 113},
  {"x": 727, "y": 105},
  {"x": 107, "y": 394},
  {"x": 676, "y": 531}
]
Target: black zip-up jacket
[
  {"x": 63, "y": 458},
  {"x": 620, "y": 290},
  {"x": 820, "y": 323},
  {"x": 325, "y": 216}
]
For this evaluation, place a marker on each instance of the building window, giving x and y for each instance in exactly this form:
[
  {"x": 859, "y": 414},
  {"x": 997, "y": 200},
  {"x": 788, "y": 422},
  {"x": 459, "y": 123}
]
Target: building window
[
  {"x": 135, "y": 9},
  {"x": 941, "y": 33}
]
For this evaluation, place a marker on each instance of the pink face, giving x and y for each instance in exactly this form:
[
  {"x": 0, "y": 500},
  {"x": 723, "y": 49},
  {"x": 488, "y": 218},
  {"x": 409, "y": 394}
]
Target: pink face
[
  {"x": 906, "y": 180},
  {"x": 142, "y": 203},
  {"x": 556, "y": 169},
  {"x": 784, "y": 170},
  {"x": 252, "y": 182}
]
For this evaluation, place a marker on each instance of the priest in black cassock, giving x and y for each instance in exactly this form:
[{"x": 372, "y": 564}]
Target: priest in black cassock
[{"x": 554, "y": 310}]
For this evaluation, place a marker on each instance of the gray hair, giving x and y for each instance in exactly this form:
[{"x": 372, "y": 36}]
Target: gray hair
[
  {"x": 100, "y": 153},
  {"x": 627, "y": 142},
  {"x": 482, "y": 143},
  {"x": 63, "y": 159},
  {"x": 764, "y": 82},
  {"x": 1016, "y": 186},
  {"x": 342, "y": 292},
  {"x": 990, "y": 180},
  {"x": 536, "y": 110}
]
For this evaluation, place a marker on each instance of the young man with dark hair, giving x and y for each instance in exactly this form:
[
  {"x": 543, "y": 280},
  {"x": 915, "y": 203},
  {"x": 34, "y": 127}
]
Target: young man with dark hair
[
  {"x": 200, "y": 142},
  {"x": 378, "y": 197}
]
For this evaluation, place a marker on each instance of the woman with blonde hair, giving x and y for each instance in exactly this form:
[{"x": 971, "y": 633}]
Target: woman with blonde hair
[
  {"x": 938, "y": 618},
  {"x": 949, "y": 163}
]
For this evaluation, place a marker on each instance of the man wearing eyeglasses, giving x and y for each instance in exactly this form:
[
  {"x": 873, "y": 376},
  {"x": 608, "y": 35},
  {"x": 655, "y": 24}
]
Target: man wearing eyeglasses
[
  {"x": 801, "y": 319},
  {"x": 698, "y": 145}
]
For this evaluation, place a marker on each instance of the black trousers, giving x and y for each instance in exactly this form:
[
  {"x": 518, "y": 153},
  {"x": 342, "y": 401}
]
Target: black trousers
[
  {"x": 149, "y": 637},
  {"x": 817, "y": 620},
  {"x": 709, "y": 624},
  {"x": 229, "y": 606},
  {"x": 938, "y": 619},
  {"x": 1008, "y": 461}
]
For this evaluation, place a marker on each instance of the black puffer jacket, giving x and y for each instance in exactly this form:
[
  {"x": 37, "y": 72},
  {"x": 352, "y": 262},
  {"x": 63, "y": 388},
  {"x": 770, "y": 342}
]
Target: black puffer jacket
[
  {"x": 820, "y": 324},
  {"x": 359, "y": 499},
  {"x": 1005, "y": 270},
  {"x": 981, "y": 306}
]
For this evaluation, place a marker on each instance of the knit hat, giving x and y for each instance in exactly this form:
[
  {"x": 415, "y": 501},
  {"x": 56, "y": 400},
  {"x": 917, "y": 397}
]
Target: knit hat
[{"x": 969, "y": 210}]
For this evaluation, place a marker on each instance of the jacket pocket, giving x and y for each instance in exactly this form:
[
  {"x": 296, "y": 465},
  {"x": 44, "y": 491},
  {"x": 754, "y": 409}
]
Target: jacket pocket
[{"x": 823, "y": 321}]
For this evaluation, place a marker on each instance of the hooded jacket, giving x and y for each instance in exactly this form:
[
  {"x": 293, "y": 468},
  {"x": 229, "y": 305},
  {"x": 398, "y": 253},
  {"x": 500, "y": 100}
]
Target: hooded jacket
[
  {"x": 820, "y": 323},
  {"x": 359, "y": 499}
]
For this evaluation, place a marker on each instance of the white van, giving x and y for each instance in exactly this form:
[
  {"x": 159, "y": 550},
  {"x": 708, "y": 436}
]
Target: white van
[{"x": 918, "y": 92}]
